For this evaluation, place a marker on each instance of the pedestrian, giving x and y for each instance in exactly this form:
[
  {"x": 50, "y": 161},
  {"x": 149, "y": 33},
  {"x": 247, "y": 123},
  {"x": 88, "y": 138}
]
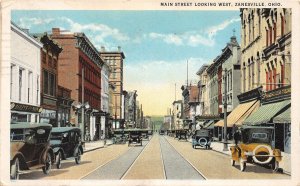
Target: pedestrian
[{"x": 236, "y": 137}]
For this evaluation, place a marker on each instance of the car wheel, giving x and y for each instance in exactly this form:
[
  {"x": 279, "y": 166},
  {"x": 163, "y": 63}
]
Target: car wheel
[
  {"x": 232, "y": 162},
  {"x": 15, "y": 169},
  {"x": 47, "y": 167},
  {"x": 78, "y": 157},
  {"x": 58, "y": 160},
  {"x": 242, "y": 165},
  {"x": 275, "y": 166}
]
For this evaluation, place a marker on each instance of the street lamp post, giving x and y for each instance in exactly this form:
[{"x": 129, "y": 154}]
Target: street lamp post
[{"x": 225, "y": 112}]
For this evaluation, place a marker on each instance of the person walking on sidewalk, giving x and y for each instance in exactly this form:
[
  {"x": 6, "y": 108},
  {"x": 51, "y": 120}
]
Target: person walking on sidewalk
[{"x": 236, "y": 137}]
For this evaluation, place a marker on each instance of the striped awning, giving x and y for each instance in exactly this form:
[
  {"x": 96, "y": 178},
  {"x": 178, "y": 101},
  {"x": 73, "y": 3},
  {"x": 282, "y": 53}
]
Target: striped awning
[
  {"x": 267, "y": 112},
  {"x": 239, "y": 114},
  {"x": 284, "y": 117}
]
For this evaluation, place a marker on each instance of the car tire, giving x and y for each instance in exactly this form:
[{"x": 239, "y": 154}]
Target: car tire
[
  {"x": 48, "y": 164},
  {"x": 15, "y": 169},
  {"x": 78, "y": 157},
  {"x": 242, "y": 165},
  {"x": 275, "y": 166},
  {"x": 232, "y": 162},
  {"x": 58, "y": 160}
]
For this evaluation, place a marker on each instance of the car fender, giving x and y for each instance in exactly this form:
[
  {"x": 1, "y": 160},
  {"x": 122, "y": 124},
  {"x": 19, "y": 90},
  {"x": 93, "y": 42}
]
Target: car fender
[
  {"x": 277, "y": 154},
  {"x": 23, "y": 165},
  {"x": 77, "y": 147},
  {"x": 44, "y": 154},
  {"x": 57, "y": 149}
]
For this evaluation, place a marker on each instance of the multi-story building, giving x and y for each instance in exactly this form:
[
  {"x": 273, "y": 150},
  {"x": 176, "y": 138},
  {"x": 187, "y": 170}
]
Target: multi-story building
[
  {"x": 177, "y": 115},
  {"x": 191, "y": 106},
  {"x": 49, "y": 78},
  {"x": 266, "y": 48},
  {"x": 203, "y": 90},
  {"x": 214, "y": 73},
  {"x": 115, "y": 61},
  {"x": 79, "y": 70},
  {"x": 266, "y": 63},
  {"x": 25, "y": 76}
]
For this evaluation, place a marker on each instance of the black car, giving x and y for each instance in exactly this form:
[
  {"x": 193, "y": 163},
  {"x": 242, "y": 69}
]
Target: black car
[
  {"x": 201, "y": 138},
  {"x": 30, "y": 148},
  {"x": 119, "y": 136},
  {"x": 181, "y": 134},
  {"x": 66, "y": 143},
  {"x": 135, "y": 136}
]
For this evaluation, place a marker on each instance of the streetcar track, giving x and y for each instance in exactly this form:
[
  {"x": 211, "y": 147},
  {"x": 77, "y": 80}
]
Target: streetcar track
[
  {"x": 162, "y": 159},
  {"x": 126, "y": 172},
  {"x": 201, "y": 174},
  {"x": 103, "y": 164}
]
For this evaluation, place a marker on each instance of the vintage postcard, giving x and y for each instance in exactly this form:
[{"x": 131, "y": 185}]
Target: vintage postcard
[{"x": 149, "y": 92}]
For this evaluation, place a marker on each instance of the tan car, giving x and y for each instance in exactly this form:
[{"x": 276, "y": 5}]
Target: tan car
[
  {"x": 256, "y": 147},
  {"x": 30, "y": 148}
]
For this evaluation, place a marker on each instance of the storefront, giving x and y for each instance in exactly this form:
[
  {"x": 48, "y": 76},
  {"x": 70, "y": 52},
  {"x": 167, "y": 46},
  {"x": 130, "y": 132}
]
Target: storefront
[{"x": 24, "y": 113}]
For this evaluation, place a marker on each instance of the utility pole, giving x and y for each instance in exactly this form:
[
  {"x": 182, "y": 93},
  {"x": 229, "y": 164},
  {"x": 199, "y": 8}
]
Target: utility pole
[
  {"x": 82, "y": 105},
  {"x": 225, "y": 112}
]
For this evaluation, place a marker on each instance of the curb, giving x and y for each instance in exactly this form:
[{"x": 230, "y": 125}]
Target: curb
[{"x": 89, "y": 150}]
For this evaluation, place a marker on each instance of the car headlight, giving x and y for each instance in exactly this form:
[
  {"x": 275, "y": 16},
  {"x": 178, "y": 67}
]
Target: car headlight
[{"x": 248, "y": 153}]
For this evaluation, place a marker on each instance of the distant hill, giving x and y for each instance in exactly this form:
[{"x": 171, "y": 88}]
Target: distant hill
[{"x": 158, "y": 121}]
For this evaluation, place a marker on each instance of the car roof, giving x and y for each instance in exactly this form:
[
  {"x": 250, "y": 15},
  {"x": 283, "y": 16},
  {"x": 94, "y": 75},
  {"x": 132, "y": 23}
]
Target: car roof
[
  {"x": 64, "y": 129},
  {"x": 28, "y": 125}
]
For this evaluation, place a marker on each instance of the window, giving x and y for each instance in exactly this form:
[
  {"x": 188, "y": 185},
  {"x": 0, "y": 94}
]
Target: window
[
  {"x": 43, "y": 56},
  {"x": 20, "y": 83},
  {"x": 29, "y": 87},
  {"x": 282, "y": 73},
  {"x": 11, "y": 80},
  {"x": 37, "y": 89},
  {"x": 49, "y": 83},
  {"x": 270, "y": 35},
  {"x": 258, "y": 72},
  {"x": 282, "y": 25},
  {"x": 274, "y": 27},
  {"x": 45, "y": 82},
  {"x": 267, "y": 38}
]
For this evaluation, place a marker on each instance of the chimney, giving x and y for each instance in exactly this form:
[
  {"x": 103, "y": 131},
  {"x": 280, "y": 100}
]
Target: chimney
[
  {"x": 55, "y": 31},
  {"x": 102, "y": 49}
]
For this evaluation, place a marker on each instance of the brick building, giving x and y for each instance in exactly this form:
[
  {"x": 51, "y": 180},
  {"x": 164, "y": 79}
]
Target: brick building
[
  {"x": 49, "y": 78},
  {"x": 80, "y": 58},
  {"x": 115, "y": 61}
]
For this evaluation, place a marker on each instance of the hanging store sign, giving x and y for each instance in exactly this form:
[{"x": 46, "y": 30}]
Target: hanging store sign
[
  {"x": 25, "y": 108},
  {"x": 50, "y": 114}
]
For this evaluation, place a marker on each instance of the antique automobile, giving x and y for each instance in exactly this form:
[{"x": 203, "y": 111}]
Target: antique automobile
[
  {"x": 162, "y": 132},
  {"x": 135, "y": 136},
  {"x": 30, "y": 148},
  {"x": 256, "y": 146},
  {"x": 66, "y": 144},
  {"x": 120, "y": 136},
  {"x": 145, "y": 134},
  {"x": 181, "y": 134},
  {"x": 201, "y": 138}
]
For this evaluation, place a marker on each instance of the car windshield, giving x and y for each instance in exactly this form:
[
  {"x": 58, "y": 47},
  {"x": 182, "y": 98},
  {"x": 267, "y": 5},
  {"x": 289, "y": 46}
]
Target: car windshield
[
  {"x": 202, "y": 132},
  {"x": 257, "y": 135}
]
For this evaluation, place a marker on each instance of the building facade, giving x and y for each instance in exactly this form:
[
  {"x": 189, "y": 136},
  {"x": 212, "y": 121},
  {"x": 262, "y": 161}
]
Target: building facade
[
  {"x": 115, "y": 61},
  {"x": 204, "y": 104},
  {"x": 49, "y": 79},
  {"x": 79, "y": 70},
  {"x": 177, "y": 121},
  {"x": 25, "y": 76},
  {"x": 266, "y": 48}
]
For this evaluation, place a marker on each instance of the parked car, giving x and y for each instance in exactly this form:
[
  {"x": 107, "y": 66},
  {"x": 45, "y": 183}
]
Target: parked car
[
  {"x": 181, "y": 134},
  {"x": 135, "y": 136},
  {"x": 30, "y": 148},
  {"x": 256, "y": 146},
  {"x": 201, "y": 138},
  {"x": 120, "y": 136},
  {"x": 162, "y": 132},
  {"x": 66, "y": 143}
]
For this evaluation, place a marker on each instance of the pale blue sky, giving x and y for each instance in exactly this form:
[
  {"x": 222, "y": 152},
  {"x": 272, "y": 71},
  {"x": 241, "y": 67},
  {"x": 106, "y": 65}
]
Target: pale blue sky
[{"x": 156, "y": 44}]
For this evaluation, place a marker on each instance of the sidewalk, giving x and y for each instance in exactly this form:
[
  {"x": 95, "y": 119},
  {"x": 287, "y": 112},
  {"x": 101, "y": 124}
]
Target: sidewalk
[{"x": 93, "y": 145}]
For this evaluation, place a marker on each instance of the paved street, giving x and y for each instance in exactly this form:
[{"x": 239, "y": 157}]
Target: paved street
[{"x": 162, "y": 157}]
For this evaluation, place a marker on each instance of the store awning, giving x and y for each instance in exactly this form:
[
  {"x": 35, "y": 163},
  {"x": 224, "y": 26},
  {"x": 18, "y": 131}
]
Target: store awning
[
  {"x": 266, "y": 112},
  {"x": 284, "y": 117},
  {"x": 239, "y": 114},
  {"x": 209, "y": 124}
]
